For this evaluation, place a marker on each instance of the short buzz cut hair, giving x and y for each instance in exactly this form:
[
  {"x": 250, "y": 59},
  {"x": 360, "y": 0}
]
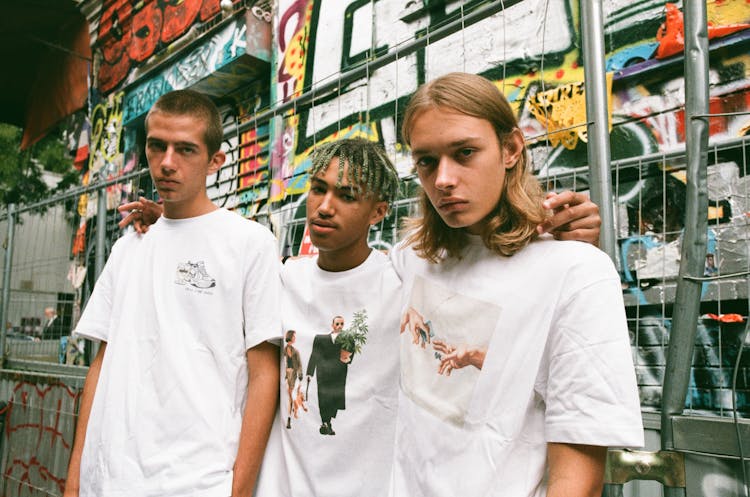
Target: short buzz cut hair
[
  {"x": 195, "y": 104},
  {"x": 370, "y": 173}
]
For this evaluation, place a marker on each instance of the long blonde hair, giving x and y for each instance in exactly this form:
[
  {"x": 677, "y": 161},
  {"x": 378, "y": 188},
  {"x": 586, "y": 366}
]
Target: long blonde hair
[{"x": 512, "y": 224}]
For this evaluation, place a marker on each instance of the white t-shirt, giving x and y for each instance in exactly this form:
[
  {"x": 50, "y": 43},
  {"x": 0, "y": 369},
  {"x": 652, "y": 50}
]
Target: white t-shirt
[
  {"x": 359, "y": 396},
  {"x": 557, "y": 368},
  {"x": 178, "y": 309}
]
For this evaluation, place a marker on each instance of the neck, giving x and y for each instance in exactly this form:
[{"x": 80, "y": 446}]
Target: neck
[
  {"x": 185, "y": 210},
  {"x": 343, "y": 260}
]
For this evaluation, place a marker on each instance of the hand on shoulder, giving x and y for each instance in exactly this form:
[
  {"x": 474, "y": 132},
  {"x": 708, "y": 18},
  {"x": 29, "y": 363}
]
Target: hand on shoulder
[
  {"x": 142, "y": 214},
  {"x": 574, "y": 217}
]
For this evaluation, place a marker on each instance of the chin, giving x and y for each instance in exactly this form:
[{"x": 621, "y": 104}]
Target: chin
[
  {"x": 319, "y": 244},
  {"x": 456, "y": 224}
]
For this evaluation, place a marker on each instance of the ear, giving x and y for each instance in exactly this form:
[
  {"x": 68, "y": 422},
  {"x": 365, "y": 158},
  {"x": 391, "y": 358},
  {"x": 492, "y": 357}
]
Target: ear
[
  {"x": 216, "y": 162},
  {"x": 378, "y": 212},
  {"x": 513, "y": 147}
]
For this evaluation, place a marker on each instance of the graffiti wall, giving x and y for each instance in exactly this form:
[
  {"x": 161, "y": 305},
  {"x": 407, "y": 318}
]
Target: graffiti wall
[
  {"x": 131, "y": 33},
  {"x": 532, "y": 48}
]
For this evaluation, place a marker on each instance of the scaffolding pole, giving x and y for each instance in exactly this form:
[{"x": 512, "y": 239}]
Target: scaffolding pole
[
  {"x": 6, "y": 277},
  {"x": 693, "y": 254}
]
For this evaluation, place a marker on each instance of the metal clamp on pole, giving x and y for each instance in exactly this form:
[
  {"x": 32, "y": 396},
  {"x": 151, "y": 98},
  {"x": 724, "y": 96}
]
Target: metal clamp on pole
[{"x": 665, "y": 466}]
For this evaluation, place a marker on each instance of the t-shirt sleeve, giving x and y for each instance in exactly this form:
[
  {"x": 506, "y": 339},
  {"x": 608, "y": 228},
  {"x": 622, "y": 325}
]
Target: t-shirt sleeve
[
  {"x": 397, "y": 255},
  {"x": 262, "y": 292},
  {"x": 95, "y": 320},
  {"x": 588, "y": 380}
]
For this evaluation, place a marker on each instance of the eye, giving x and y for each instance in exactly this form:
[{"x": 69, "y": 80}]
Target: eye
[
  {"x": 317, "y": 189},
  {"x": 187, "y": 150},
  {"x": 348, "y": 197},
  {"x": 465, "y": 153},
  {"x": 155, "y": 146},
  {"x": 425, "y": 162}
]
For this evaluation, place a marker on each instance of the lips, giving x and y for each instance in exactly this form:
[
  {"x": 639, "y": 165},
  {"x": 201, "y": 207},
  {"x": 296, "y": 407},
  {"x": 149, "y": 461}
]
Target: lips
[
  {"x": 322, "y": 226},
  {"x": 452, "y": 204},
  {"x": 167, "y": 184}
]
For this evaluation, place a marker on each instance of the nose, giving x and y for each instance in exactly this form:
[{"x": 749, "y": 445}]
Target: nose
[
  {"x": 168, "y": 160},
  {"x": 446, "y": 174},
  {"x": 327, "y": 206}
]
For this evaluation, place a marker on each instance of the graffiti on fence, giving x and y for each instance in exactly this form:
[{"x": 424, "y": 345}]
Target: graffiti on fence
[
  {"x": 39, "y": 429},
  {"x": 315, "y": 43}
]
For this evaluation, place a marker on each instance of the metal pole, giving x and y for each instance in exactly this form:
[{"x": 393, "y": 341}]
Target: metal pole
[
  {"x": 693, "y": 255},
  {"x": 101, "y": 231},
  {"x": 100, "y": 255},
  {"x": 597, "y": 116},
  {"x": 6, "y": 277}
]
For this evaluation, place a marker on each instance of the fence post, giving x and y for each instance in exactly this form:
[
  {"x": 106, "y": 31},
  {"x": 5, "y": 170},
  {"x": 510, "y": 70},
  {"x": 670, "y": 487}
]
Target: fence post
[
  {"x": 597, "y": 117},
  {"x": 6, "y": 278},
  {"x": 693, "y": 254},
  {"x": 101, "y": 231},
  {"x": 100, "y": 255}
]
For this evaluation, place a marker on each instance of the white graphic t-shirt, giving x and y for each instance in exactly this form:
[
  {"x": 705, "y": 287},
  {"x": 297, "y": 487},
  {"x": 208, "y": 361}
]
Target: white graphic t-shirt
[
  {"x": 501, "y": 356},
  {"x": 338, "y": 406},
  {"x": 178, "y": 308}
]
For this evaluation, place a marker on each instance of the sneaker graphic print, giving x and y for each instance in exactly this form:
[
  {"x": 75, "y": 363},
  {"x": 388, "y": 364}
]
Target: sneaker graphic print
[{"x": 194, "y": 274}]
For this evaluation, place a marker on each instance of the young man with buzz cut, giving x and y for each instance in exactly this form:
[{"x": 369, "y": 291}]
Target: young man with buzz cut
[{"x": 180, "y": 397}]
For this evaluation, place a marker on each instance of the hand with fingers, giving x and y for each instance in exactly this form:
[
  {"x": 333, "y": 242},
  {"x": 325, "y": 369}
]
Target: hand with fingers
[
  {"x": 458, "y": 357},
  {"x": 142, "y": 213},
  {"x": 419, "y": 329},
  {"x": 574, "y": 217}
]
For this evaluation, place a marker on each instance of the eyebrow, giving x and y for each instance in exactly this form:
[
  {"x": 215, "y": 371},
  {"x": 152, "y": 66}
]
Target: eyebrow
[
  {"x": 454, "y": 144},
  {"x": 343, "y": 188},
  {"x": 153, "y": 139}
]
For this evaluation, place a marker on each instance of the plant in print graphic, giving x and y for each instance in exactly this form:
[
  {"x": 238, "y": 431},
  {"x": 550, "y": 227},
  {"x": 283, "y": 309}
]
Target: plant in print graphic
[{"x": 354, "y": 337}]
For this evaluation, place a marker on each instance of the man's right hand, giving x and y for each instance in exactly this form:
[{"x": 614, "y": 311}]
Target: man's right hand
[{"x": 143, "y": 213}]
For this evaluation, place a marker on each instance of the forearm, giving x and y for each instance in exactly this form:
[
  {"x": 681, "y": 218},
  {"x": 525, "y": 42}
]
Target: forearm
[
  {"x": 476, "y": 357},
  {"x": 87, "y": 399},
  {"x": 575, "y": 470},
  {"x": 260, "y": 409}
]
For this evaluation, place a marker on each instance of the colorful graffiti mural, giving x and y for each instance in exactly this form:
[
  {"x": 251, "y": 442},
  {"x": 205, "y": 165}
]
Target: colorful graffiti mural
[
  {"x": 206, "y": 61},
  {"x": 131, "y": 32}
]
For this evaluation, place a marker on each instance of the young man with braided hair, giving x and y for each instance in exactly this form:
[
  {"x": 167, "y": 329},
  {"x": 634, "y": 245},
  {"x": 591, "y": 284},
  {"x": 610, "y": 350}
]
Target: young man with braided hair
[{"x": 348, "y": 287}]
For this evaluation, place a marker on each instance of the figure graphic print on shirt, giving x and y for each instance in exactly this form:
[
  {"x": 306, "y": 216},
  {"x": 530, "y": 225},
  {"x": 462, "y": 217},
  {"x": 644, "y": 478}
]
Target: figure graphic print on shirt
[
  {"x": 444, "y": 341},
  {"x": 293, "y": 377},
  {"x": 331, "y": 355},
  {"x": 194, "y": 274}
]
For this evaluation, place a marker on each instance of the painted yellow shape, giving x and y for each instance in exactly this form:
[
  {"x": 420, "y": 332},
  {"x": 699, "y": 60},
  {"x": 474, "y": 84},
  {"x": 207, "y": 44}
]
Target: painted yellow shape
[
  {"x": 562, "y": 111},
  {"x": 726, "y": 12}
]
